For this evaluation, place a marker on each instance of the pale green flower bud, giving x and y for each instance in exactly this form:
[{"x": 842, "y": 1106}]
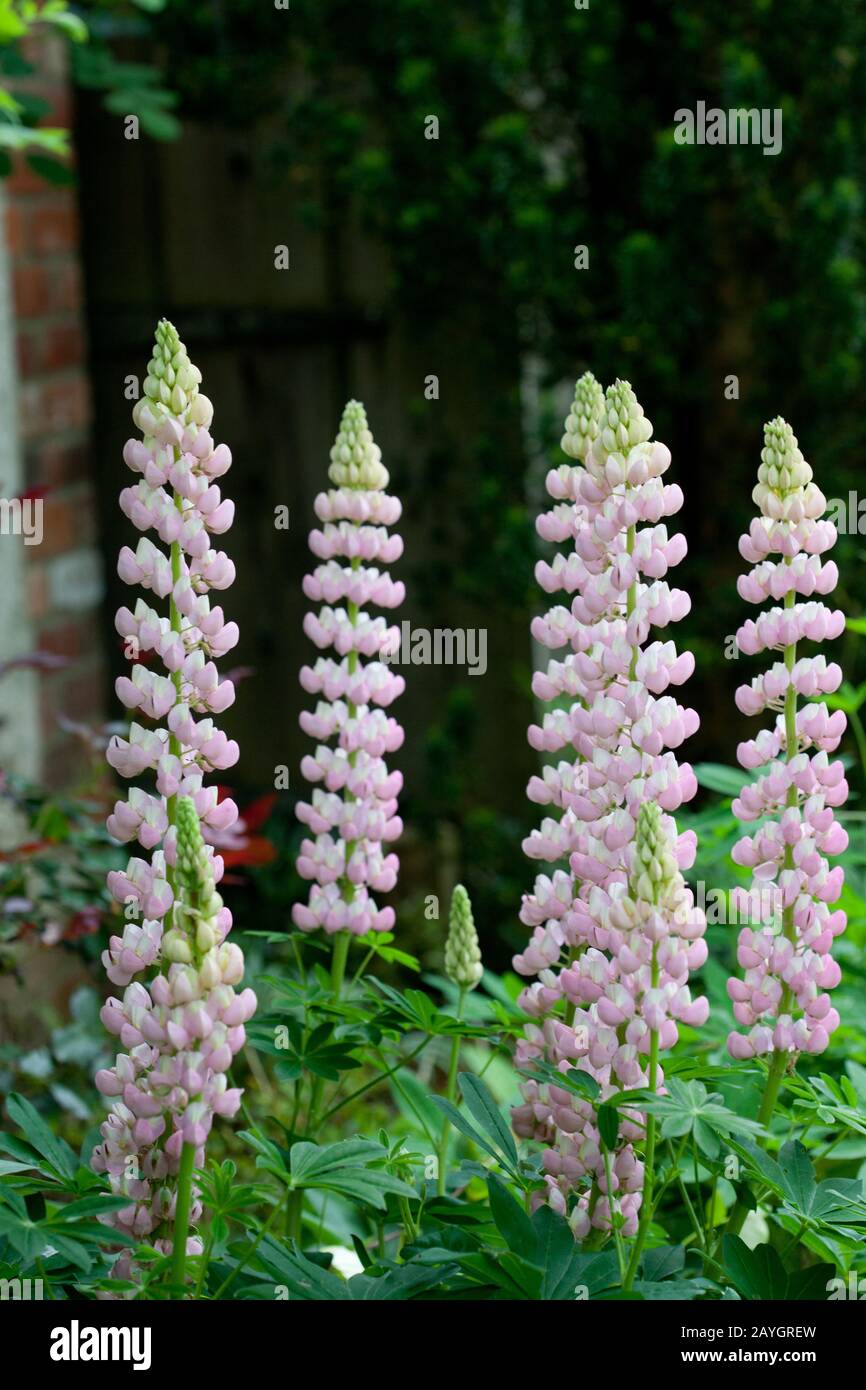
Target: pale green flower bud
[
  {"x": 205, "y": 936},
  {"x": 356, "y": 459},
  {"x": 583, "y": 423},
  {"x": 209, "y": 973},
  {"x": 623, "y": 423},
  {"x": 176, "y": 947},
  {"x": 462, "y": 952}
]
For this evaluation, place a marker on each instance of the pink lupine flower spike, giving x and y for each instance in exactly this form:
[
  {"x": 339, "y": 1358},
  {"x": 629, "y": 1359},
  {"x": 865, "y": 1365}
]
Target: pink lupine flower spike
[
  {"x": 352, "y": 814},
  {"x": 607, "y": 996},
  {"x": 178, "y": 1018},
  {"x": 782, "y": 999}
]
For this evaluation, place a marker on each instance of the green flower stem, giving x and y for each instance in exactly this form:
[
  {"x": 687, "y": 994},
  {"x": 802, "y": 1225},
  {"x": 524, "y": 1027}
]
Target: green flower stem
[
  {"x": 338, "y": 962},
  {"x": 204, "y": 1261},
  {"x": 183, "y": 1204},
  {"x": 410, "y": 1230},
  {"x": 174, "y": 744},
  {"x": 339, "y": 955},
  {"x": 631, "y": 603},
  {"x": 614, "y": 1222},
  {"x": 646, "y": 1211},
  {"x": 451, "y": 1093},
  {"x": 779, "y": 1064},
  {"x": 377, "y": 1080}
]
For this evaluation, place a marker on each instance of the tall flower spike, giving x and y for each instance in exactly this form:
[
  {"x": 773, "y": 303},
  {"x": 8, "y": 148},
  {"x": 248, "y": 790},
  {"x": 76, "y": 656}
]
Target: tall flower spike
[
  {"x": 592, "y": 997},
  {"x": 462, "y": 951},
  {"x": 178, "y": 1018},
  {"x": 782, "y": 998},
  {"x": 353, "y": 809}
]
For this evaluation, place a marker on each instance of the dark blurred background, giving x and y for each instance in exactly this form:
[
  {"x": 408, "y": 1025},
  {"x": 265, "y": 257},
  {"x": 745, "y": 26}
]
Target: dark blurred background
[{"x": 454, "y": 257}]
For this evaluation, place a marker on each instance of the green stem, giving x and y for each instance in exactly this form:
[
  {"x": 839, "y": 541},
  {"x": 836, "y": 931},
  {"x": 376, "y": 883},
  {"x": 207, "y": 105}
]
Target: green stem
[
  {"x": 614, "y": 1217},
  {"x": 630, "y": 603},
  {"x": 780, "y": 1060},
  {"x": 204, "y": 1262},
  {"x": 409, "y": 1228},
  {"x": 450, "y": 1092},
  {"x": 183, "y": 1204},
  {"x": 338, "y": 962},
  {"x": 377, "y": 1080},
  {"x": 175, "y": 747},
  {"x": 687, "y": 1201},
  {"x": 339, "y": 956},
  {"x": 650, "y": 1151}
]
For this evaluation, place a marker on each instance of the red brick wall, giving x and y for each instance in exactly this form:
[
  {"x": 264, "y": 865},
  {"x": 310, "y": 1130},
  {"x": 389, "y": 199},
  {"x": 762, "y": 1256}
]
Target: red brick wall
[{"x": 64, "y": 573}]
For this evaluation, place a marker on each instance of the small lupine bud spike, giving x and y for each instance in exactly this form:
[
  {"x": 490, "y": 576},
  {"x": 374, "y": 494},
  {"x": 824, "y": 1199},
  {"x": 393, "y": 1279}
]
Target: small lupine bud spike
[
  {"x": 462, "y": 951},
  {"x": 584, "y": 419}
]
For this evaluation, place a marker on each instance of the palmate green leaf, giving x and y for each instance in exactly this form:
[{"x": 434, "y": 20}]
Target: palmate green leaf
[
  {"x": 760, "y": 1275},
  {"x": 59, "y": 1155},
  {"x": 24, "y": 1235},
  {"x": 840, "y": 1202},
  {"x": 689, "y": 1108},
  {"x": 365, "y": 1185},
  {"x": 270, "y": 1156},
  {"x": 833, "y": 1202},
  {"x": 823, "y": 1097},
  {"x": 413, "y": 1006},
  {"x": 314, "y": 1160},
  {"x": 345, "y": 1168}
]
